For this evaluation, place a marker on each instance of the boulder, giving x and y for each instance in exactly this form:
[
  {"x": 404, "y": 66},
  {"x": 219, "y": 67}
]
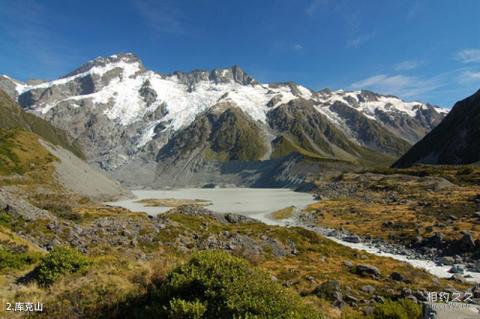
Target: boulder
[
  {"x": 418, "y": 240},
  {"x": 476, "y": 291},
  {"x": 237, "y": 219},
  {"x": 311, "y": 278},
  {"x": 421, "y": 295},
  {"x": 351, "y": 300},
  {"x": 365, "y": 270},
  {"x": 465, "y": 244},
  {"x": 476, "y": 266},
  {"x": 447, "y": 260},
  {"x": 330, "y": 290},
  {"x": 368, "y": 289},
  {"x": 456, "y": 269},
  {"x": 458, "y": 277},
  {"x": 389, "y": 292},
  {"x": 396, "y": 276},
  {"x": 406, "y": 291},
  {"x": 352, "y": 239},
  {"x": 435, "y": 241},
  {"x": 379, "y": 299}
]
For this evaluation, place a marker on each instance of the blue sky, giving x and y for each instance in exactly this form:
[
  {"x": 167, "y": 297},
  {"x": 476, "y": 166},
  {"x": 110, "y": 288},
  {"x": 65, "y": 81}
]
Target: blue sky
[{"x": 418, "y": 50}]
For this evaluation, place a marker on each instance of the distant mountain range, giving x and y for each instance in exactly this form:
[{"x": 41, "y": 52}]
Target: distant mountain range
[
  {"x": 456, "y": 140},
  {"x": 220, "y": 126}
]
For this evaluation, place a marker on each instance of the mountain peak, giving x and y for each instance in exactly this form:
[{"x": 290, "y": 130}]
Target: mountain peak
[
  {"x": 102, "y": 61},
  {"x": 233, "y": 74}
]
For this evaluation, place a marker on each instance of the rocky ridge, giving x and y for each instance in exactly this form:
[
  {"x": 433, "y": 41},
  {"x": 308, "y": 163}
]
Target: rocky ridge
[{"x": 453, "y": 141}]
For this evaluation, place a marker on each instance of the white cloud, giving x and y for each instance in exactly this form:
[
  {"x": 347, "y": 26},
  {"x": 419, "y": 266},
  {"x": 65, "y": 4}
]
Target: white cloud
[
  {"x": 400, "y": 85},
  {"x": 393, "y": 82},
  {"x": 469, "y": 76},
  {"x": 297, "y": 47},
  {"x": 468, "y": 56},
  {"x": 407, "y": 65},
  {"x": 359, "y": 40}
]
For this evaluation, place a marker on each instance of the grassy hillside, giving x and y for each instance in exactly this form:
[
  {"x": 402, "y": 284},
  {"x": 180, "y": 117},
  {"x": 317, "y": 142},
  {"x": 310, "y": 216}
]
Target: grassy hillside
[
  {"x": 21, "y": 154},
  {"x": 12, "y": 116},
  {"x": 404, "y": 206},
  {"x": 124, "y": 275}
]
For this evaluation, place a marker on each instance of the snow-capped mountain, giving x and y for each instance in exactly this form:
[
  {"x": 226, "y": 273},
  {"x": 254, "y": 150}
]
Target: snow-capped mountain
[
  {"x": 129, "y": 118},
  {"x": 454, "y": 141}
]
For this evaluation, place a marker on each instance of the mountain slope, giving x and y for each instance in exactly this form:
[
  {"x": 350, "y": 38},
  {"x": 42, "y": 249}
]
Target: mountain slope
[
  {"x": 129, "y": 118},
  {"x": 300, "y": 123},
  {"x": 371, "y": 134},
  {"x": 12, "y": 116},
  {"x": 224, "y": 133},
  {"x": 38, "y": 158},
  {"x": 407, "y": 120},
  {"x": 453, "y": 141}
]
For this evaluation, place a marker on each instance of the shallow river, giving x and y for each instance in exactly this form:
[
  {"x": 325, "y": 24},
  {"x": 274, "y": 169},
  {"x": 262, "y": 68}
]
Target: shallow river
[{"x": 259, "y": 204}]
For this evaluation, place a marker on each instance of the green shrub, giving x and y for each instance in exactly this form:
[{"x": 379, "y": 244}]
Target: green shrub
[
  {"x": 215, "y": 285},
  {"x": 5, "y": 218},
  {"x": 402, "y": 309},
  {"x": 60, "y": 261},
  {"x": 181, "y": 309},
  {"x": 16, "y": 260}
]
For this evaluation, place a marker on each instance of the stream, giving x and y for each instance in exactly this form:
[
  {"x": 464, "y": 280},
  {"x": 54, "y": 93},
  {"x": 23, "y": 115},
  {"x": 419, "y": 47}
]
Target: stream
[{"x": 259, "y": 204}]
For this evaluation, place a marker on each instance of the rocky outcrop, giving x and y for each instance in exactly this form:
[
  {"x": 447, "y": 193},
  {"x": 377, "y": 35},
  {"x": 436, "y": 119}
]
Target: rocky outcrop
[
  {"x": 367, "y": 271},
  {"x": 330, "y": 290},
  {"x": 142, "y": 231},
  {"x": 9, "y": 86},
  {"x": 19, "y": 207}
]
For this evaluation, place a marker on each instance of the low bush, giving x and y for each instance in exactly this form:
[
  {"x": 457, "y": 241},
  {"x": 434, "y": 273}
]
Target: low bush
[
  {"x": 5, "y": 218},
  {"x": 402, "y": 309},
  {"x": 179, "y": 309},
  {"x": 215, "y": 285},
  {"x": 60, "y": 261},
  {"x": 16, "y": 260}
]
